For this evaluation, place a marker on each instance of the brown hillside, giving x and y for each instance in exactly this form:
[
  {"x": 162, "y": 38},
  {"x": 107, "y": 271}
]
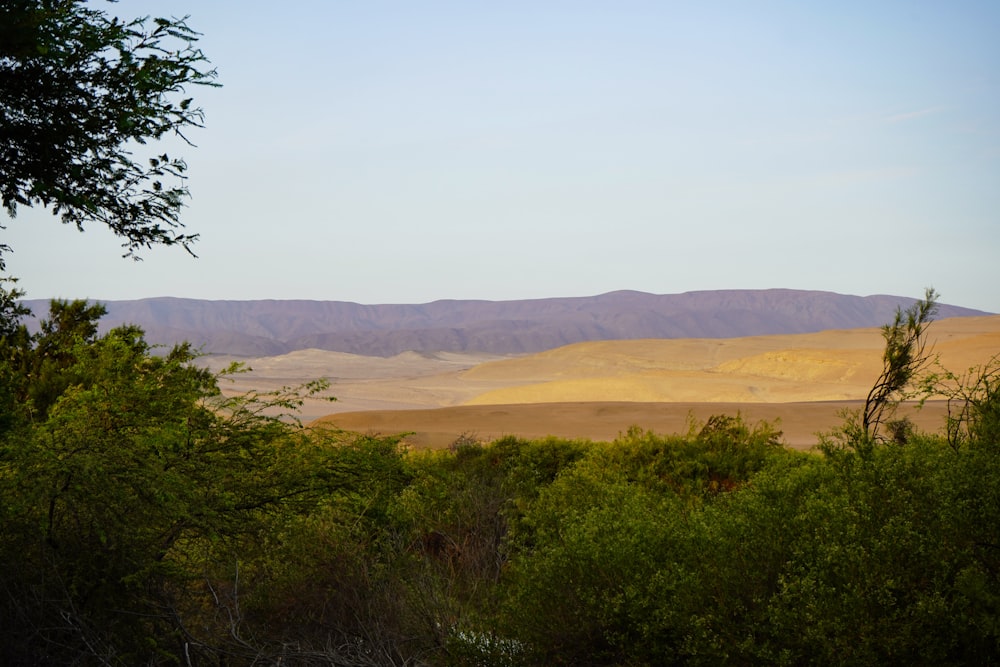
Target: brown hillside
[{"x": 603, "y": 421}]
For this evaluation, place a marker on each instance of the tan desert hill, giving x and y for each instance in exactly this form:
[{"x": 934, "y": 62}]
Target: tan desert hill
[
  {"x": 407, "y": 380},
  {"x": 599, "y": 389},
  {"x": 825, "y": 366}
]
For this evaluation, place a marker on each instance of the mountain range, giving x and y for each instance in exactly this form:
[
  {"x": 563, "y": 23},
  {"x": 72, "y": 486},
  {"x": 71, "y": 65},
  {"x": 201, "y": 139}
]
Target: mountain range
[{"x": 272, "y": 327}]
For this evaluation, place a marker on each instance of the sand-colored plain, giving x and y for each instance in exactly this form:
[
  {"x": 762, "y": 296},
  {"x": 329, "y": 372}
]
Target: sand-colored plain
[
  {"x": 598, "y": 389},
  {"x": 406, "y": 381},
  {"x": 800, "y": 423}
]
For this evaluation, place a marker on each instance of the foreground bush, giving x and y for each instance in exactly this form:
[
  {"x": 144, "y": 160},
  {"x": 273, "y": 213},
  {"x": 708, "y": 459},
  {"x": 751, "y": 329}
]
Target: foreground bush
[
  {"x": 129, "y": 489},
  {"x": 147, "y": 520}
]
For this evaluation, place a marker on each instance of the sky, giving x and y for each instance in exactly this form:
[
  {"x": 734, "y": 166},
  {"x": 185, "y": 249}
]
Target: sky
[{"x": 405, "y": 152}]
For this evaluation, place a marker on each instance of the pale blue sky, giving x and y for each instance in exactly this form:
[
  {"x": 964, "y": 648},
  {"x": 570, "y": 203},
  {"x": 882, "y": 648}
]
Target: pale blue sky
[{"x": 403, "y": 152}]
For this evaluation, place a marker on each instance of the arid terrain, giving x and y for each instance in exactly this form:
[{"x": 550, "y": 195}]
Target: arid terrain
[{"x": 598, "y": 389}]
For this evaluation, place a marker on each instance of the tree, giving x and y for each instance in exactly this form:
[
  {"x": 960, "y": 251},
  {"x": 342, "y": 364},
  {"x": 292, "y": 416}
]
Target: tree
[
  {"x": 34, "y": 366},
  {"x": 905, "y": 356},
  {"x": 79, "y": 91},
  {"x": 11, "y": 309},
  {"x": 131, "y": 487},
  {"x": 13, "y": 338},
  {"x": 973, "y": 400}
]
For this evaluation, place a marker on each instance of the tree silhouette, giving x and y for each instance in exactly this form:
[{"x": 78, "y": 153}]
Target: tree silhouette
[{"x": 80, "y": 91}]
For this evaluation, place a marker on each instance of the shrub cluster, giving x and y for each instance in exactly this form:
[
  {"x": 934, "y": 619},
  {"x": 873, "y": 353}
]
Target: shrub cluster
[{"x": 145, "y": 519}]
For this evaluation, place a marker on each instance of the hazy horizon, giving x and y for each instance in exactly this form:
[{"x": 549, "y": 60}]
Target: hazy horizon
[{"x": 542, "y": 298}]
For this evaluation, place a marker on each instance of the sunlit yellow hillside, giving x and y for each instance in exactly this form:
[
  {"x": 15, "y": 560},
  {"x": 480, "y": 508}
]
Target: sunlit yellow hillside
[{"x": 826, "y": 366}]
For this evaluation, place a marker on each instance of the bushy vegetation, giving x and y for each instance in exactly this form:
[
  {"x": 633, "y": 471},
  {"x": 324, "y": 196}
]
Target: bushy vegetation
[{"x": 146, "y": 519}]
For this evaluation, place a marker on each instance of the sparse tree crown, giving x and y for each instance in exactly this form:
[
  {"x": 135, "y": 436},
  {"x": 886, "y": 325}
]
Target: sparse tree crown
[
  {"x": 905, "y": 356},
  {"x": 79, "y": 92}
]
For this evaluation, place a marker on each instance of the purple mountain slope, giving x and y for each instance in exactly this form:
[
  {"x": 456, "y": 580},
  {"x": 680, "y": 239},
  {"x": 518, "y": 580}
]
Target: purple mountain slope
[{"x": 253, "y": 328}]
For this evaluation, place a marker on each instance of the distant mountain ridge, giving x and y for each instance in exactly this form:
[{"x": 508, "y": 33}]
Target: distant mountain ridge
[{"x": 271, "y": 327}]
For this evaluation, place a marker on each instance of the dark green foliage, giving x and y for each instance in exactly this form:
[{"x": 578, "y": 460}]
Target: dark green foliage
[
  {"x": 48, "y": 361},
  {"x": 78, "y": 91},
  {"x": 132, "y": 483},
  {"x": 854, "y": 562},
  {"x": 11, "y": 310},
  {"x": 711, "y": 458},
  {"x": 453, "y": 523},
  {"x": 610, "y": 552},
  {"x": 884, "y": 557},
  {"x": 13, "y": 337},
  {"x": 581, "y": 593},
  {"x": 321, "y": 584}
]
